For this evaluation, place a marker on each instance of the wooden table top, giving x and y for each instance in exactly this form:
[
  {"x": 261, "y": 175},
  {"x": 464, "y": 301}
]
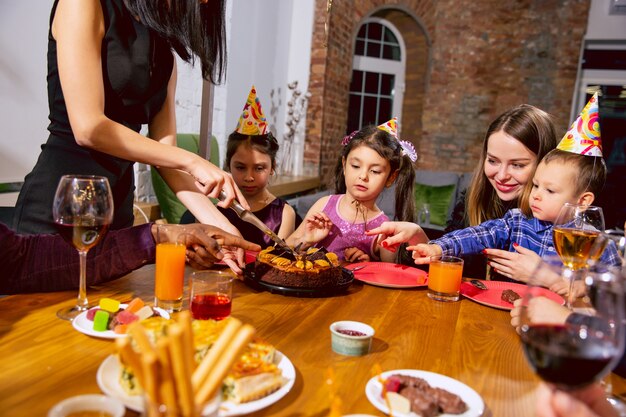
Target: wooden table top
[{"x": 44, "y": 360}]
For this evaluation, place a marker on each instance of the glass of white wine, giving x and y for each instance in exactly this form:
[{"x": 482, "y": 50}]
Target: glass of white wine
[{"x": 576, "y": 230}]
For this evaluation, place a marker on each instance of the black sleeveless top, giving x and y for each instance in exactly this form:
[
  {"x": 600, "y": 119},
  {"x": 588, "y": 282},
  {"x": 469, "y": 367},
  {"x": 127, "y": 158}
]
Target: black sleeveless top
[{"x": 136, "y": 65}]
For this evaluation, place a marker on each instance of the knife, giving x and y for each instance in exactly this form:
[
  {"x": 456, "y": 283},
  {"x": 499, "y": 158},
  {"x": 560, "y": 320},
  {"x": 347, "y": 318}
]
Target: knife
[{"x": 247, "y": 216}]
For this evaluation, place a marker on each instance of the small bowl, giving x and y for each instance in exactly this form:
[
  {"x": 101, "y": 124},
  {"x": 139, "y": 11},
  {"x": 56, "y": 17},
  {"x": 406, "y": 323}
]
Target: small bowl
[
  {"x": 351, "y": 345},
  {"x": 89, "y": 402}
]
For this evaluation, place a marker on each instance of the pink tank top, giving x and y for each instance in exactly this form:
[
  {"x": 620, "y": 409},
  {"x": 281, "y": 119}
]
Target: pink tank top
[{"x": 347, "y": 234}]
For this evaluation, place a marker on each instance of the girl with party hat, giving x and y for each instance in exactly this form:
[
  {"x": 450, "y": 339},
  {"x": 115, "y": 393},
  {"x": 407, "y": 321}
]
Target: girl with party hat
[
  {"x": 251, "y": 159},
  {"x": 371, "y": 159},
  {"x": 573, "y": 173}
]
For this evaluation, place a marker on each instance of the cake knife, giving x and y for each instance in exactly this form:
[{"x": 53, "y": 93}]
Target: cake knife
[{"x": 246, "y": 215}]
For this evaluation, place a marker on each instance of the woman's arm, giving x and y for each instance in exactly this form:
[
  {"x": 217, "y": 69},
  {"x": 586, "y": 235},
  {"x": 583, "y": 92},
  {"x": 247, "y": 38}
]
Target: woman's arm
[{"x": 78, "y": 28}]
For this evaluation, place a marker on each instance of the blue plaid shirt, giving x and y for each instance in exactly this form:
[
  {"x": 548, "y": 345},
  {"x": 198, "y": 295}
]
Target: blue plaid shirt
[{"x": 514, "y": 227}]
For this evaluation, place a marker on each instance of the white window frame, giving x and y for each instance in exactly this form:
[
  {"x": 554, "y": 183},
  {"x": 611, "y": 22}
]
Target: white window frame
[{"x": 386, "y": 66}]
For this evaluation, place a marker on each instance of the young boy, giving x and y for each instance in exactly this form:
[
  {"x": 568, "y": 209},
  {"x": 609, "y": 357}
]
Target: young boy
[{"x": 572, "y": 173}]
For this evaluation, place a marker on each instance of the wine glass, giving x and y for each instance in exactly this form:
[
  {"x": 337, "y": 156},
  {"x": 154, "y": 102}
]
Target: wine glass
[
  {"x": 576, "y": 229},
  {"x": 574, "y": 349},
  {"x": 82, "y": 210}
]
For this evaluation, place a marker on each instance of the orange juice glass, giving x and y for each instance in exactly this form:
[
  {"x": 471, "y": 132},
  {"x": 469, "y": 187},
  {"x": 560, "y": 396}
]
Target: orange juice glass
[
  {"x": 170, "y": 276},
  {"x": 444, "y": 278}
]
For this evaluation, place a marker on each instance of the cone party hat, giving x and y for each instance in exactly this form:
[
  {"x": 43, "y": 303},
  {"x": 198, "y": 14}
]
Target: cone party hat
[
  {"x": 252, "y": 120},
  {"x": 390, "y": 127},
  {"x": 583, "y": 137}
]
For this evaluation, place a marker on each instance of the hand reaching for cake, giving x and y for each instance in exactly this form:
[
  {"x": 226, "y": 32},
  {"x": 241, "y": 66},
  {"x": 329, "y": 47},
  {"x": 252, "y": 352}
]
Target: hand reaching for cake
[
  {"x": 355, "y": 255},
  {"x": 317, "y": 227}
]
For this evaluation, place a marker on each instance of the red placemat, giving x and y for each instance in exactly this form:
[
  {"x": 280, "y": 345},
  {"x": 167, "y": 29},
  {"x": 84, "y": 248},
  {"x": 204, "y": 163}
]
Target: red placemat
[
  {"x": 492, "y": 296},
  {"x": 250, "y": 256},
  {"x": 389, "y": 275}
]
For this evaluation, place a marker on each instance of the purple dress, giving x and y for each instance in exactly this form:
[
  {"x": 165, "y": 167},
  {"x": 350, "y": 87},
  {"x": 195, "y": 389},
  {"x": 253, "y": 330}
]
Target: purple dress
[
  {"x": 271, "y": 215},
  {"x": 347, "y": 234}
]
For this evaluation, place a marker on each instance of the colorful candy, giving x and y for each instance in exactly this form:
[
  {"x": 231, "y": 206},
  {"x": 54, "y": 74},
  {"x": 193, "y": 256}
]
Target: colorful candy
[
  {"x": 101, "y": 321},
  {"x": 109, "y": 304},
  {"x": 135, "y": 305}
]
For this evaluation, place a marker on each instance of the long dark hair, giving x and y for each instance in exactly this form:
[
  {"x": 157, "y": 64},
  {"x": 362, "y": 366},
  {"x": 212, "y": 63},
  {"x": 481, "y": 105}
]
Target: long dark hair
[
  {"x": 192, "y": 28},
  {"x": 389, "y": 148},
  {"x": 266, "y": 144},
  {"x": 533, "y": 128}
]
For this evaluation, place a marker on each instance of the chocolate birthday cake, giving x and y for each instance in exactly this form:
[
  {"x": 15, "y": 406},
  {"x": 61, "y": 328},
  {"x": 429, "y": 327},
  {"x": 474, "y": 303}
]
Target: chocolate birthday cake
[{"x": 315, "y": 268}]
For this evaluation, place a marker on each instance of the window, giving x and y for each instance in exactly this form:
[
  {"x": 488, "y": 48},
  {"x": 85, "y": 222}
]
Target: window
[{"x": 377, "y": 83}]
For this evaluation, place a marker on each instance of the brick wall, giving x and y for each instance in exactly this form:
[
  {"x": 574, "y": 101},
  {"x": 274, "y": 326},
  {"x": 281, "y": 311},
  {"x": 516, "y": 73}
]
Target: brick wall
[{"x": 467, "y": 62}]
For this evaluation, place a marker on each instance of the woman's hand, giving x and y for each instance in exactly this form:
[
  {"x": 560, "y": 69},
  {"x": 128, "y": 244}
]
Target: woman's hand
[
  {"x": 540, "y": 310},
  {"x": 423, "y": 252},
  {"x": 392, "y": 234},
  {"x": 587, "y": 402},
  {"x": 355, "y": 255},
  {"x": 519, "y": 265},
  {"x": 317, "y": 227},
  {"x": 211, "y": 180}
]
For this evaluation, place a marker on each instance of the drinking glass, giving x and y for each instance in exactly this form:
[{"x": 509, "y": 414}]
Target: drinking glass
[
  {"x": 211, "y": 294},
  {"x": 444, "y": 278},
  {"x": 580, "y": 347},
  {"x": 82, "y": 211},
  {"x": 576, "y": 230}
]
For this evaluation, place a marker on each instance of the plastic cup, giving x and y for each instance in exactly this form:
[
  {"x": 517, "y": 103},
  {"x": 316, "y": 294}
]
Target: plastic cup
[{"x": 444, "y": 278}]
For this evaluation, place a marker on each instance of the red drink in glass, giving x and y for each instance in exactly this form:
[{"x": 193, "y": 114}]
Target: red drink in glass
[{"x": 214, "y": 306}]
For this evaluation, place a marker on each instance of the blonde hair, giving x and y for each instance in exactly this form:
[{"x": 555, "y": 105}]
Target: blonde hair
[{"x": 533, "y": 128}]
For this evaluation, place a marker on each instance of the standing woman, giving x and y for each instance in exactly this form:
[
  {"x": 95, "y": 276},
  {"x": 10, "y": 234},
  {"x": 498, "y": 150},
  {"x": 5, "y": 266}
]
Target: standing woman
[{"x": 111, "y": 69}]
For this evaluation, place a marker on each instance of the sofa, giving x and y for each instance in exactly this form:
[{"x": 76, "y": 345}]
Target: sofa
[{"x": 439, "y": 190}]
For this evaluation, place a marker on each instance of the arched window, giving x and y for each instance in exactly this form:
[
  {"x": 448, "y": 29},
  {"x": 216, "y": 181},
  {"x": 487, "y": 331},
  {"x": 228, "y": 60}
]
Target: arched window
[{"x": 377, "y": 85}]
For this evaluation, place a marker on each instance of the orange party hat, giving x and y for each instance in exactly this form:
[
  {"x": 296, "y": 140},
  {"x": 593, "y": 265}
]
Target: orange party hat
[
  {"x": 252, "y": 120},
  {"x": 391, "y": 127},
  {"x": 583, "y": 137}
]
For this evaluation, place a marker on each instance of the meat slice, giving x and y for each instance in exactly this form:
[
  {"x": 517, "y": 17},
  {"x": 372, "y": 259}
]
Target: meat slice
[
  {"x": 422, "y": 403},
  {"x": 448, "y": 402}
]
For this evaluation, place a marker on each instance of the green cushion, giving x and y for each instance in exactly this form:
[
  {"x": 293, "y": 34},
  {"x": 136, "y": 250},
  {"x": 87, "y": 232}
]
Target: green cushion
[
  {"x": 438, "y": 199},
  {"x": 171, "y": 207}
]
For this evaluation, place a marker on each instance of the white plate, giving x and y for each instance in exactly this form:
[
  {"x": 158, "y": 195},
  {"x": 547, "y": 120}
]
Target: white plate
[
  {"x": 474, "y": 402},
  {"x": 84, "y": 325},
  {"x": 109, "y": 373}
]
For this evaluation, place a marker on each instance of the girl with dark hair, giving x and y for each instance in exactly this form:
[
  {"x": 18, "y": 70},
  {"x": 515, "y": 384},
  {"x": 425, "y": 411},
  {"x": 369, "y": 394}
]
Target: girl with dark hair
[
  {"x": 110, "y": 70},
  {"x": 371, "y": 159}
]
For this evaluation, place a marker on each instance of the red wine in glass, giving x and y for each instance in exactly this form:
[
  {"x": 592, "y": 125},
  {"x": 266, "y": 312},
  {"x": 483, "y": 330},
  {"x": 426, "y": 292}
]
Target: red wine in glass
[
  {"x": 214, "y": 306},
  {"x": 559, "y": 355}
]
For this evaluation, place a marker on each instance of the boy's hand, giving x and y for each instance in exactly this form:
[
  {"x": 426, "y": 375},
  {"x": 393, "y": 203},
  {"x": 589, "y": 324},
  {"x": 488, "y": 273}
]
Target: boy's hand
[
  {"x": 317, "y": 227},
  {"x": 423, "y": 252},
  {"x": 355, "y": 255},
  {"x": 519, "y": 265}
]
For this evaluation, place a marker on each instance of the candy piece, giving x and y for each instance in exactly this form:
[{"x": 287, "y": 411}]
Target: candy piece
[
  {"x": 399, "y": 403},
  {"x": 126, "y": 317},
  {"x": 109, "y": 304},
  {"x": 144, "y": 312},
  {"x": 135, "y": 305},
  {"x": 91, "y": 313},
  {"x": 101, "y": 321},
  {"x": 121, "y": 328}
]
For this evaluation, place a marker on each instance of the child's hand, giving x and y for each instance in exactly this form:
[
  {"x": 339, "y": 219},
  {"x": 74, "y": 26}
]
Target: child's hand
[
  {"x": 519, "y": 265},
  {"x": 355, "y": 255},
  {"x": 539, "y": 310},
  {"x": 423, "y": 252},
  {"x": 392, "y": 234},
  {"x": 317, "y": 227}
]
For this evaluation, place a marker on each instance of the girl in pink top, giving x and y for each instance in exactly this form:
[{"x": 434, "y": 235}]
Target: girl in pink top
[{"x": 371, "y": 159}]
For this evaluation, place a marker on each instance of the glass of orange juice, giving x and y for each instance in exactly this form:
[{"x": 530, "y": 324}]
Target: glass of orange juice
[
  {"x": 444, "y": 278},
  {"x": 169, "y": 276}
]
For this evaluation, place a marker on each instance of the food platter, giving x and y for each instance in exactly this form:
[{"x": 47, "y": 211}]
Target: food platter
[
  {"x": 85, "y": 326},
  {"x": 475, "y": 404},
  {"x": 108, "y": 380},
  {"x": 250, "y": 278},
  {"x": 389, "y": 275},
  {"x": 491, "y": 297}
]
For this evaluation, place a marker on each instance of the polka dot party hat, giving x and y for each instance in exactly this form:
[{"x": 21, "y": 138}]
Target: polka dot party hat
[
  {"x": 583, "y": 137},
  {"x": 252, "y": 120}
]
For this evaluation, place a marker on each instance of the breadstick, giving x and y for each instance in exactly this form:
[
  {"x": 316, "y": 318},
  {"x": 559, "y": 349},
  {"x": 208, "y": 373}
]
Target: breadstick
[
  {"x": 184, "y": 319},
  {"x": 218, "y": 373},
  {"x": 130, "y": 358},
  {"x": 151, "y": 380},
  {"x": 168, "y": 392},
  {"x": 215, "y": 352},
  {"x": 140, "y": 337},
  {"x": 181, "y": 372}
]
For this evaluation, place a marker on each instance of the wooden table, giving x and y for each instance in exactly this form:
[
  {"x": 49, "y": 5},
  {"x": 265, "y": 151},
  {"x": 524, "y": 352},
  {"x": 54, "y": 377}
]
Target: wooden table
[{"x": 44, "y": 360}]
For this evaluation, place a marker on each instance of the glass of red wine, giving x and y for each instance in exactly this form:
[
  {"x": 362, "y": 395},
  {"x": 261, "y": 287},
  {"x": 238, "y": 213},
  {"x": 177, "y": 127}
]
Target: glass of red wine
[
  {"x": 582, "y": 345},
  {"x": 82, "y": 210}
]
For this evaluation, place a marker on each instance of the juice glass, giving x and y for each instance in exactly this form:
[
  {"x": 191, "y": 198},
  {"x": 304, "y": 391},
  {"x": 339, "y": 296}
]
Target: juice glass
[
  {"x": 170, "y": 276},
  {"x": 211, "y": 294},
  {"x": 444, "y": 278}
]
